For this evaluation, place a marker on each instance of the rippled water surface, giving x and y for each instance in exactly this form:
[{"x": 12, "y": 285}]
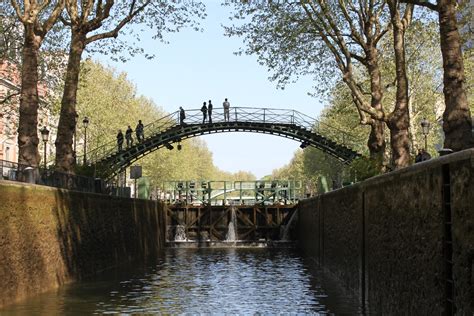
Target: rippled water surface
[{"x": 200, "y": 281}]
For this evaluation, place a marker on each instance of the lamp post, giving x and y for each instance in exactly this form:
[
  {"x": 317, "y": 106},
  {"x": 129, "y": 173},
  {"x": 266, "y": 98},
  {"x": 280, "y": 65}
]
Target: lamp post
[
  {"x": 425, "y": 129},
  {"x": 75, "y": 151},
  {"x": 44, "y": 135},
  {"x": 85, "y": 123}
]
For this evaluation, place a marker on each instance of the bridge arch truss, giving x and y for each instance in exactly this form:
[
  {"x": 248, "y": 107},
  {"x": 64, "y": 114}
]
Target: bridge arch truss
[{"x": 167, "y": 131}]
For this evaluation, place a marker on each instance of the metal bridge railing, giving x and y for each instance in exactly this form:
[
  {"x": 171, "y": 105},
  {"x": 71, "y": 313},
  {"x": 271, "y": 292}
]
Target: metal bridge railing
[
  {"x": 237, "y": 114},
  {"x": 200, "y": 192}
]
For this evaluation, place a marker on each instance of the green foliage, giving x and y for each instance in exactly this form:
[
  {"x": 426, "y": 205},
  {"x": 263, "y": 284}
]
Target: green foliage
[
  {"x": 85, "y": 170},
  {"x": 119, "y": 34},
  {"x": 364, "y": 168},
  {"x": 110, "y": 101},
  {"x": 469, "y": 71}
]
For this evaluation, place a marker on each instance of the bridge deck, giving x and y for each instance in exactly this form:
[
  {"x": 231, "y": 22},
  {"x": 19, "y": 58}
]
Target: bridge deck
[{"x": 168, "y": 130}]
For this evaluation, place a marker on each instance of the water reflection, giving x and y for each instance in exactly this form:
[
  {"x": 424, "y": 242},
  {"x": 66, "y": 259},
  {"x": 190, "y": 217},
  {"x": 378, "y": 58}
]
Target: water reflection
[{"x": 197, "y": 281}]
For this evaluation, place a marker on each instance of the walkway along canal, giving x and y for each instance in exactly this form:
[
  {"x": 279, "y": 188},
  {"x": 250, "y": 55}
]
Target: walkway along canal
[{"x": 401, "y": 243}]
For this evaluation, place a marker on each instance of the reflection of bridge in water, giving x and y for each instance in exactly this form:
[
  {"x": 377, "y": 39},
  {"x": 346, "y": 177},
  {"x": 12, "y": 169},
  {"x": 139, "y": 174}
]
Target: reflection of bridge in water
[
  {"x": 203, "y": 210},
  {"x": 168, "y": 130}
]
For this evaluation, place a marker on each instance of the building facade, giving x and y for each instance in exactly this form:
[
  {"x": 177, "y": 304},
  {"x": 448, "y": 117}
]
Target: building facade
[{"x": 10, "y": 87}]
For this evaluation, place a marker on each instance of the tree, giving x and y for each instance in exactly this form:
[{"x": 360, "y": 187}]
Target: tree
[
  {"x": 398, "y": 120},
  {"x": 295, "y": 38},
  {"x": 457, "y": 120},
  {"x": 302, "y": 38},
  {"x": 91, "y": 21},
  {"x": 37, "y": 19}
]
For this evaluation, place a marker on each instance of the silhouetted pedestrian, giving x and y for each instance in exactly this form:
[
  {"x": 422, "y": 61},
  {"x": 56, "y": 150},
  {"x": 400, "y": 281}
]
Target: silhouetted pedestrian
[
  {"x": 209, "y": 109},
  {"x": 119, "y": 140},
  {"x": 128, "y": 136},
  {"x": 422, "y": 155},
  {"x": 425, "y": 155},
  {"x": 139, "y": 131},
  {"x": 226, "y": 106},
  {"x": 182, "y": 115},
  {"x": 419, "y": 156},
  {"x": 204, "y": 112}
]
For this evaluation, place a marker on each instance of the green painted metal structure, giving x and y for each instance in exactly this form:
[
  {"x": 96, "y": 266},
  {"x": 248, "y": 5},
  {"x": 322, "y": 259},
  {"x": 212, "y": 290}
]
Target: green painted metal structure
[
  {"x": 205, "y": 192},
  {"x": 168, "y": 130}
]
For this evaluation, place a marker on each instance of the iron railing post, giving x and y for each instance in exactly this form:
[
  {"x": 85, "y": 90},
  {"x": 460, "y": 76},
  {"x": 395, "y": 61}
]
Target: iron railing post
[{"x": 263, "y": 115}]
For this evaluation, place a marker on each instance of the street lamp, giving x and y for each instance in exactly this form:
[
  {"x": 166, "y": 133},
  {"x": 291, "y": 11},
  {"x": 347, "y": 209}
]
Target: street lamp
[
  {"x": 425, "y": 129},
  {"x": 85, "y": 123},
  {"x": 44, "y": 135},
  {"x": 75, "y": 128}
]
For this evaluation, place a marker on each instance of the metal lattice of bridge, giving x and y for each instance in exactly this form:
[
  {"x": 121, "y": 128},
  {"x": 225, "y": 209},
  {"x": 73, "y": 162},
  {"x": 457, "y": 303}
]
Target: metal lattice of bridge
[
  {"x": 168, "y": 130},
  {"x": 205, "y": 192}
]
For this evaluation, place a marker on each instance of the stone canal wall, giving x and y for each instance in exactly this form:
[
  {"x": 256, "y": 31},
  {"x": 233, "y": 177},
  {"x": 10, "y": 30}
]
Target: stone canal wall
[
  {"x": 50, "y": 236},
  {"x": 404, "y": 241}
]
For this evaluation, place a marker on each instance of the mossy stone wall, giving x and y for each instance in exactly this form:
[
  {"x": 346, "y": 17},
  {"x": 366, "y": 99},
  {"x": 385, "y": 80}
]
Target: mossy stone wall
[{"x": 51, "y": 236}]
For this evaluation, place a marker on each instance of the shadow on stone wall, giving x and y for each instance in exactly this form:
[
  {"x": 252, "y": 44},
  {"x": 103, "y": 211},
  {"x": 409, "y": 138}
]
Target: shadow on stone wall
[
  {"x": 403, "y": 242},
  {"x": 49, "y": 237},
  {"x": 97, "y": 232}
]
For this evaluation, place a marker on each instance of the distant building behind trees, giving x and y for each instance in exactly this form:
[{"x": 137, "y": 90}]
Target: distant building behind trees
[{"x": 10, "y": 85}]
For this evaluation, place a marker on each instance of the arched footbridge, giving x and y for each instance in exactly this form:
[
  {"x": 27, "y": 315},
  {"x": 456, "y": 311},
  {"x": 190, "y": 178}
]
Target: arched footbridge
[{"x": 166, "y": 131}]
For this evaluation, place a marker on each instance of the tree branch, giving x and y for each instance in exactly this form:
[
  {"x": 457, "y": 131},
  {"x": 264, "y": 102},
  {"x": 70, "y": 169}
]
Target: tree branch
[
  {"x": 359, "y": 58},
  {"x": 64, "y": 21},
  {"x": 15, "y": 6},
  {"x": 86, "y": 10},
  {"x": 423, "y": 3},
  {"x": 324, "y": 36},
  {"x": 363, "y": 119},
  {"x": 116, "y": 30},
  {"x": 8, "y": 97},
  {"x": 354, "y": 32},
  {"x": 407, "y": 16},
  {"x": 53, "y": 17}
]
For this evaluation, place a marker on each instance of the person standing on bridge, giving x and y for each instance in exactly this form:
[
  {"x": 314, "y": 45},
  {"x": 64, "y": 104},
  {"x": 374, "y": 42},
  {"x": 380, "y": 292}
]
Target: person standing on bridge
[
  {"x": 226, "y": 106},
  {"x": 128, "y": 136},
  {"x": 182, "y": 115},
  {"x": 119, "y": 140},
  {"x": 209, "y": 109},
  {"x": 139, "y": 131},
  {"x": 204, "y": 112}
]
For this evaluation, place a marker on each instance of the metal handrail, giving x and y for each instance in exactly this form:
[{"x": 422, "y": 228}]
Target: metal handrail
[
  {"x": 237, "y": 114},
  {"x": 10, "y": 170}
]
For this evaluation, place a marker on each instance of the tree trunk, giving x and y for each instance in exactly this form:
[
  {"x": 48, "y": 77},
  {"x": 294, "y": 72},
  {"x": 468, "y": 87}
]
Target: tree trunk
[
  {"x": 376, "y": 141},
  {"x": 28, "y": 125},
  {"x": 457, "y": 123},
  {"x": 399, "y": 119},
  {"x": 65, "y": 156}
]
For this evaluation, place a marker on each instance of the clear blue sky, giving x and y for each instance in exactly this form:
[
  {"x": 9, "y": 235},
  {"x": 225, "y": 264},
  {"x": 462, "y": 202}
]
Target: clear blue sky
[{"x": 196, "y": 67}]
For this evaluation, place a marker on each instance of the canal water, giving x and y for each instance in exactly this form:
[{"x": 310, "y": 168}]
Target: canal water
[{"x": 228, "y": 281}]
